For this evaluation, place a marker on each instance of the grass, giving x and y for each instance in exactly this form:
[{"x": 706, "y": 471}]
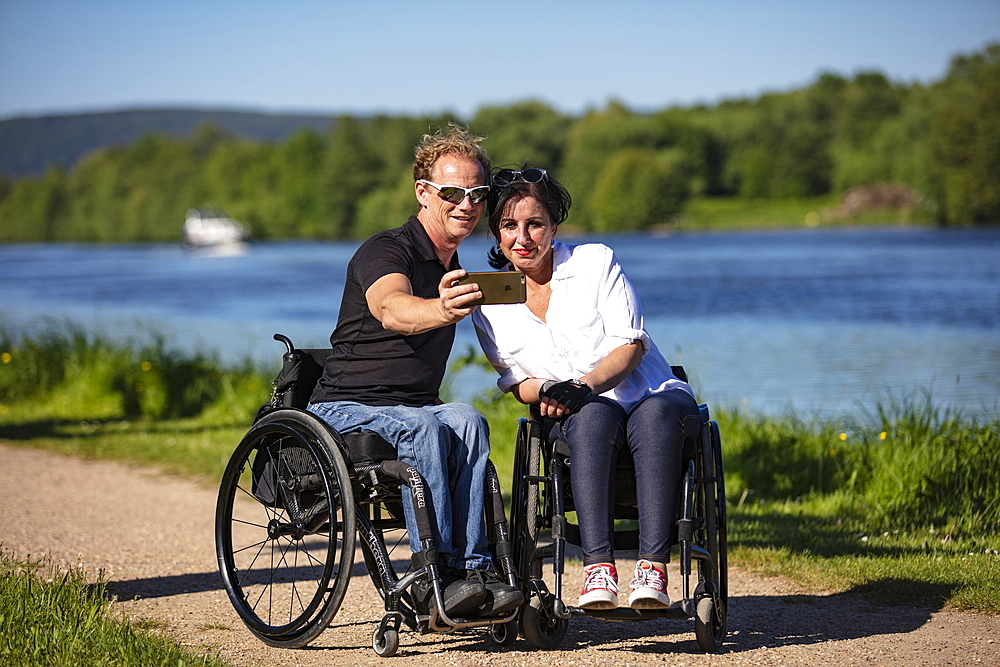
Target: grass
[
  {"x": 806, "y": 543},
  {"x": 908, "y": 464},
  {"x": 57, "y": 619},
  {"x": 718, "y": 213},
  {"x": 901, "y": 502}
]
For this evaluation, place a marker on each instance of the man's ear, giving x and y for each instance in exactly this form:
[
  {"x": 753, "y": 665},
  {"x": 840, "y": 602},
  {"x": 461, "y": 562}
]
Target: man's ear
[{"x": 420, "y": 190}]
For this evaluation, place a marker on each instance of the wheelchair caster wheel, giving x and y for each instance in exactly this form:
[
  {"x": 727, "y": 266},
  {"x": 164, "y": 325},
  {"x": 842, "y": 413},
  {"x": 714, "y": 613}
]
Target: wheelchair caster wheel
[
  {"x": 710, "y": 625},
  {"x": 504, "y": 634},
  {"x": 385, "y": 642},
  {"x": 541, "y": 626}
]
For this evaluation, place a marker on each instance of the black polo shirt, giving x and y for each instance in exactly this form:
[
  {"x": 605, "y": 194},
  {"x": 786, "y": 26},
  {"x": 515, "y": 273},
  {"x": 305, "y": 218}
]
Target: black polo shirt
[{"x": 370, "y": 364}]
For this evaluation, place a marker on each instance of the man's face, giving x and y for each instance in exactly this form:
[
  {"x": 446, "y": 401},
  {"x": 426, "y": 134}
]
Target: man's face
[{"x": 448, "y": 224}]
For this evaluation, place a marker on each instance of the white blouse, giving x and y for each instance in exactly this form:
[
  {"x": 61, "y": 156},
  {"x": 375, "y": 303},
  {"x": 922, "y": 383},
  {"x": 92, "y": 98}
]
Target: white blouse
[{"x": 593, "y": 309}]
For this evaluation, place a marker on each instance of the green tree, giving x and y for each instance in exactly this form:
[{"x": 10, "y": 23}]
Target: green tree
[
  {"x": 350, "y": 172},
  {"x": 785, "y": 152},
  {"x": 529, "y": 131},
  {"x": 386, "y": 207},
  {"x": 964, "y": 141},
  {"x": 637, "y": 189},
  {"x": 293, "y": 203}
]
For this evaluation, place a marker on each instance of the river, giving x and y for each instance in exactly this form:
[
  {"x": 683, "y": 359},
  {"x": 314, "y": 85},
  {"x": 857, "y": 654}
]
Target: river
[{"x": 821, "y": 322}]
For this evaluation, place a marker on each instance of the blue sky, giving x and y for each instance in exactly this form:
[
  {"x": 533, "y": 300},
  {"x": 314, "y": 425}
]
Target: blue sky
[{"x": 65, "y": 56}]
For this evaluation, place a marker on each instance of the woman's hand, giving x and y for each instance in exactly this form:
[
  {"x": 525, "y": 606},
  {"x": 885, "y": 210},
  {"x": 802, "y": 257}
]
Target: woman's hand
[{"x": 561, "y": 398}]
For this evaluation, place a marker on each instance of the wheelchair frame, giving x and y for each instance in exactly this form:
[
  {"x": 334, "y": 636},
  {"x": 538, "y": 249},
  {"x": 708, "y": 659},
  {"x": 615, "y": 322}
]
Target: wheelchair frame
[
  {"x": 539, "y": 493},
  {"x": 293, "y": 498}
]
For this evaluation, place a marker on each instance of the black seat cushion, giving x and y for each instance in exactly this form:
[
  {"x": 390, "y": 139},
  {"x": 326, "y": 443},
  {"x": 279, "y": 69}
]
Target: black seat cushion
[{"x": 368, "y": 447}]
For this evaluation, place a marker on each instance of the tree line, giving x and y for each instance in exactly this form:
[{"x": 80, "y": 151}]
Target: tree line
[{"x": 627, "y": 170}]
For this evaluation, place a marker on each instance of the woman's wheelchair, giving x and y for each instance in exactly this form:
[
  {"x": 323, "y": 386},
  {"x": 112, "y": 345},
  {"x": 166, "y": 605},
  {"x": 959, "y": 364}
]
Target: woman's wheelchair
[
  {"x": 541, "y": 496},
  {"x": 294, "y": 495}
]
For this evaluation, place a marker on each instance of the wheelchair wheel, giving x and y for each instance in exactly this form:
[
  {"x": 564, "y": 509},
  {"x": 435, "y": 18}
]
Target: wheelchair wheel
[
  {"x": 504, "y": 634},
  {"x": 710, "y": 625},
  {"x": 284, "y": 528},
  {"x": 541, "y": 626},
  {"x": 386, "y": 642},
  {"x": 525, "y": 500},
  {"x": 713, "y": 587}
]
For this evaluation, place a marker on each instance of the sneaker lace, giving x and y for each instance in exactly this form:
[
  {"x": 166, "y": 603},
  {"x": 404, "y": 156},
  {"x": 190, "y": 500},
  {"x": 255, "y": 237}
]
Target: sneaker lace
[
  {"x": 600, "y": 576},
  {"x": 485, "y": 577},
  {"x": 647, "y": 576}
]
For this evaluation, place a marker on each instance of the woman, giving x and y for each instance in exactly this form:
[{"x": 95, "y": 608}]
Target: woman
[{"x": 578, "y": 349}]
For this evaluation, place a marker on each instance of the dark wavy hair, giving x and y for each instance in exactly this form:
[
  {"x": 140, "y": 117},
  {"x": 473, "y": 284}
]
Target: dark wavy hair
[{"x": 548, "y": 191}]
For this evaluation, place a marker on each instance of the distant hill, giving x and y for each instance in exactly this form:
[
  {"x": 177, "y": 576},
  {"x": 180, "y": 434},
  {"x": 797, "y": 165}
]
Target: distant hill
[{"x": 29, "y": 146}]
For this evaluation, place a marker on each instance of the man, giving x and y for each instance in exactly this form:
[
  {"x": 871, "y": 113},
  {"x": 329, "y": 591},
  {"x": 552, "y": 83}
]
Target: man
[{"x": 390, "y": 350}]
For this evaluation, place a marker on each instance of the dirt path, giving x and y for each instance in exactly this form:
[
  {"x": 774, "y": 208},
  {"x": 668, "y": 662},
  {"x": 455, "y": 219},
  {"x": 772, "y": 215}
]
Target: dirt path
[{"x": 153, "y": 536}]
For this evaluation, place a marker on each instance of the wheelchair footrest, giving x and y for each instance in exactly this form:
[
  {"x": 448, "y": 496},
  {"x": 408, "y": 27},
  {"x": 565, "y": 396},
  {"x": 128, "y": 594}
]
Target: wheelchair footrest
[{"x": 627, "y": 614}]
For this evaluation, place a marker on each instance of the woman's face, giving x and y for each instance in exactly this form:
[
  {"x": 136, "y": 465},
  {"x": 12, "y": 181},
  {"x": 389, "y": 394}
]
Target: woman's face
[{"x": 526, "y": 234}]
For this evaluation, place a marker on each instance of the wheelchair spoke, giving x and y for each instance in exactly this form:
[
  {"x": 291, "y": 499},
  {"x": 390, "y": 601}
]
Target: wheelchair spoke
[
  {"x": 253, "y": 562},
  {"x": 300, "y": 492}
]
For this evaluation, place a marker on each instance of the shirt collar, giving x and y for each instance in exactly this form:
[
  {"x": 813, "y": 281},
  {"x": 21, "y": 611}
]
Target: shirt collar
[
  {"x": 422, "y": 243},
  {"x": 562, "y": 268}
]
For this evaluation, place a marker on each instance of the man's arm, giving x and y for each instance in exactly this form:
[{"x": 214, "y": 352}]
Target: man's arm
[{"x": 391, "y": 300}]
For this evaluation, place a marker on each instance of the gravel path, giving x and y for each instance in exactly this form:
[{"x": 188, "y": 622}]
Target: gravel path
[{"x": 153, "y": 536}]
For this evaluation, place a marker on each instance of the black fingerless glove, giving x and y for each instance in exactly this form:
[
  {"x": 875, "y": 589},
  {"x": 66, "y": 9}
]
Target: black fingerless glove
[{"x": 570, "y": 393}]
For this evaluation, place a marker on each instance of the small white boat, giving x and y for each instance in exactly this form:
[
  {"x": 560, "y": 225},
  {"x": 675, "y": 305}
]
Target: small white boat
[{"x": 212, "y": 229}]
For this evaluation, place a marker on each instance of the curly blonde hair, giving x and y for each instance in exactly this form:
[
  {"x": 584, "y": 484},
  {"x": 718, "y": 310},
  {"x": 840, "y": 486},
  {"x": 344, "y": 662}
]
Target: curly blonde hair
[{"x": 456, "y": 141}]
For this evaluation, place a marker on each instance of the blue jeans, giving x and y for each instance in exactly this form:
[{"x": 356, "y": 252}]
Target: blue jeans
[
  {"x": 449, "y": 444},
  {"x": 654, "y": 430}
]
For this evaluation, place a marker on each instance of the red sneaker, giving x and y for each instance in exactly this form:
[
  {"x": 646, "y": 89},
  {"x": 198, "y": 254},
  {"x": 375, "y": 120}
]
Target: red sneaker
[
  {"x": 649, "y": 587},
  {"x": 600, "y": 587}
]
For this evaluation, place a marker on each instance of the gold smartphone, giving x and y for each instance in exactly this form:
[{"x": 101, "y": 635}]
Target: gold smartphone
[{"x": 497, "y": 287}]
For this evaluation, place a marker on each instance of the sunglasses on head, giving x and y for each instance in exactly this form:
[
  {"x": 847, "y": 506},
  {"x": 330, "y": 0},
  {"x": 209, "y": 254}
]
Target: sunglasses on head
[
  {"x": 505, "y": 177},
  {"x": 454, "y": 194}
]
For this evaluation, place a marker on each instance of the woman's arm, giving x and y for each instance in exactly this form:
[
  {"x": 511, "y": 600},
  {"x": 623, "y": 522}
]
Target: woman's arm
[
  {"x": 607, "y": 374},
  {"x": 614, "y": 368}
]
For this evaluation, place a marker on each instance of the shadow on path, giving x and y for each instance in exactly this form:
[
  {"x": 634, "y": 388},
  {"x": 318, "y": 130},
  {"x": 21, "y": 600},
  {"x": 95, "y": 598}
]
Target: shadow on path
[
  {"x": 771, "y": 621},
  {"x": 201, "y": 582}
]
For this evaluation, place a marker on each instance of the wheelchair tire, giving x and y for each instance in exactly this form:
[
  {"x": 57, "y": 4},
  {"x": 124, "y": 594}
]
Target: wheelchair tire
[
  {"x": 710, "y": 625},
  {"x": 713, "y": 504},
  {"x": 285, "y": 529},
  {"x": 386, "y": 642},
  {"x": 722, "y": 540},
  {"x": 542, "y": 628},
  {"x": 713, "y": 586},
  {"x": 534, "y": 468},
  {"x": 504, "y": 634},
  {"x": 525, "y": 499}
]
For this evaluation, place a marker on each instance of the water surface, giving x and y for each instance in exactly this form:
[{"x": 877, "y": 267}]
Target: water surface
[{"x": 817, "y": 321}]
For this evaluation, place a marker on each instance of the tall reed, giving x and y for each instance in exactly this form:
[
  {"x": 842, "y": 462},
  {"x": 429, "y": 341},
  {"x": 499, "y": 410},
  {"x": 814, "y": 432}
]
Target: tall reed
[
  {"x": 905, "y": 462},
  {"x": 71, "y": 373}
]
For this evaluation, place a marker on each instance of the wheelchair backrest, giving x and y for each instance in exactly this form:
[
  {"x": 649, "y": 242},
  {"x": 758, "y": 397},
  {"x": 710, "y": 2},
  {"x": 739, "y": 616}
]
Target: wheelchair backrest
[{"x": 300, "y": 370}]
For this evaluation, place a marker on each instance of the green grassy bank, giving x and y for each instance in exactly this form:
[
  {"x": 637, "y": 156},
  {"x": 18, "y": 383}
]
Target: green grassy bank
[
  {"x": 60, "y": 619},
  {"x": 901, "y": 502}
]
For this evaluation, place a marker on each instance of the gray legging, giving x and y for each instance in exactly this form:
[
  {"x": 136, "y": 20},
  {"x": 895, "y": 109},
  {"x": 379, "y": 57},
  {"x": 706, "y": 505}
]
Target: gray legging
[{"x": 654, "y": 431}]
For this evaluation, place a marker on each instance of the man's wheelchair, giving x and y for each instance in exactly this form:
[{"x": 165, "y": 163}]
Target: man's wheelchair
[
  {"x": 541, "y": 496},
  {"x": 294, "y": 496}
]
